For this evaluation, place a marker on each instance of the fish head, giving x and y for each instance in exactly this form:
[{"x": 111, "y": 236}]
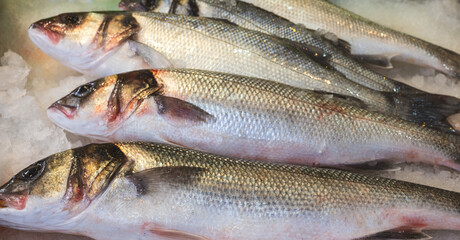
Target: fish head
[
  {"x": 99, "y": 108},
  {"x": 59, "y": 187},
  {"x": 83, "y": 41},
  {"x": 183, "y": 7},
  {"x": 56, "y": 188}
]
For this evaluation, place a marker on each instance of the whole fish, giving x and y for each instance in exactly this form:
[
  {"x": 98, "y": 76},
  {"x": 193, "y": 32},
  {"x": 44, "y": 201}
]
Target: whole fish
[
  {"x": 149, "y": 191},
  {"x": 366, "y": 38},
  {"x": 254, "y": 18},
  {"x": 85, "y": 41},
  {"x": 245, "y": 117}
]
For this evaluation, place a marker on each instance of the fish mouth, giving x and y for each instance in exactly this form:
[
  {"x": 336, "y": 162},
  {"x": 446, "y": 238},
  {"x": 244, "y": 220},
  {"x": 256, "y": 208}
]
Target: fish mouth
[
  {"x": 68, "y": 111},
  {"x": 3, "y": 203},
  {"x": 53, "y": 36}
]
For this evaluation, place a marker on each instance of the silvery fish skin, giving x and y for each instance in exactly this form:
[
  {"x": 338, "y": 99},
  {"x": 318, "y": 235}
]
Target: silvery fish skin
[
  {"x": 365, "y": 37},
  {"x": 254, "y": 18},
  {"x": 245, "y": 117},
  {"x": 150, "y": 191},
  {"x": 96, "y": 42},
  {"x": 86, "y": 40}
]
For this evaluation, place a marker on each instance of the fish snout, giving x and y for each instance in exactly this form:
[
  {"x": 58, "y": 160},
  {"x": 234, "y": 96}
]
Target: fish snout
[
  {"x": 66, "y": 110},
  {"x": 47, "y": 28}
]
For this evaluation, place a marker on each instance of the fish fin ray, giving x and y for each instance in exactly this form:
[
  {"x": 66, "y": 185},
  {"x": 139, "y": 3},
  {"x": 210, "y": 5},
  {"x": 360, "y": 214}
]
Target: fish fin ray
[
  {"x": 338, "y": 97},
  {"x": 175, "y": 234},
  {"x": 156, "y": 179},
  {"x": 371, "y": 166},
  {"x": 382, "y": 61},
  {"x": 431, "y": 110},
  {"x": 334, "y": 39},
  {"x": 154, "y": 58},
  {"x": 181, "y": 113},
  {"x": 400, "y": 234},
  {"x": 224, "y": 21},
  {"x": 314, "y": 53},
  {"x": 190, "y": 7}
]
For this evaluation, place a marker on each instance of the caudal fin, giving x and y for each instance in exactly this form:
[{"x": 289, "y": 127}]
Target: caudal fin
[{"x": 431, "y": 110}]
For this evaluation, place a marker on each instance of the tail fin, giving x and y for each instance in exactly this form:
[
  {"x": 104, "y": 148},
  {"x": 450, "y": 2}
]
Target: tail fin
[{"x": 431, "y": 110}]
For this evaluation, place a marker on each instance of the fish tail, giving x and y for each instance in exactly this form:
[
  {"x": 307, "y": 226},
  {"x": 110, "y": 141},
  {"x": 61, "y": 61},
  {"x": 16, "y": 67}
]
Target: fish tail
[{"x": 429, "y": 110}]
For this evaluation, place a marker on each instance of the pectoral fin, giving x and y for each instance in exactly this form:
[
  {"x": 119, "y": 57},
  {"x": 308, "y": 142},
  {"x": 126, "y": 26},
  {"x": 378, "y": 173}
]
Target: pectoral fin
[
  {"x": 164, "y": 178},
  {"x": 154, "y": 58},
  {"x": 181, "y": 113},
  {"x": 175, "y": 234}
]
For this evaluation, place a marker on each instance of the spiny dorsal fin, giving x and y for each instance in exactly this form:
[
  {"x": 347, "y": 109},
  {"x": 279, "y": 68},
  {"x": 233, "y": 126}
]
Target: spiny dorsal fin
[{"x": 156, "y": 179}]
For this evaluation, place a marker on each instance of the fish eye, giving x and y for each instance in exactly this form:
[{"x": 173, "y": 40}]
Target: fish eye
[
  {"x": 149, "y": 4},
  {"x": 70, "y": 19},
  {"x": 84, "y": 90},
  {"x": 32, "y": 172}
]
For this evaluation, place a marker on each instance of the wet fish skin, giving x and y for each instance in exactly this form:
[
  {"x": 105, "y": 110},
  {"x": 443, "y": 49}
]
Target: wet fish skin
[
  {"x": 254, "y": 18},
  {"x": 211, "y": 45},
  {"x": 245, "y": 117},
  {"x": 160, "y": 191},
  {"x": 365, "y": 37},
  {"x": 214, "y": 45}
]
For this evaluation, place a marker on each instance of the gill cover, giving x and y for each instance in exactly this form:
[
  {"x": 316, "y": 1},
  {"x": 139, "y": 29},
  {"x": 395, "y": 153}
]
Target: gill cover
[{"x": 93, "y": 168}]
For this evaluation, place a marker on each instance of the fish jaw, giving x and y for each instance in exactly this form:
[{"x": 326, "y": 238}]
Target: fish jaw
[
  {"x": 81, "y": 58},
  {"x": 16, "y": 201},
  {"x": 69, "y": 119},
  {"x": 86, "y": 45}
]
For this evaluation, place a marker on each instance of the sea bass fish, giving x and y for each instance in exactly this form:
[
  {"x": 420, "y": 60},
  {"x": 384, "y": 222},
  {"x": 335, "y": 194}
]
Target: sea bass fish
[
  {"x": 84, "y": 41},
  {"x": 245, "y": 117},
  {"x": 254, "y": 18},
  {"x": 150, "y": 191},
  {"x": 365, "y": 37}
]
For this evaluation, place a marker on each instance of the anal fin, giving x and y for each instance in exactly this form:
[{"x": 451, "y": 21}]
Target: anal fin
[
  {"x": 399, "y": 234},
  {"x": 370, "y": 166}
]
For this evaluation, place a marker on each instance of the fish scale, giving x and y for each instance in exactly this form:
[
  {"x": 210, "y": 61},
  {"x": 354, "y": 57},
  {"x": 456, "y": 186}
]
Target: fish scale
[
  {"x": 254, "y": 18},
  {"x": 178, "y": 41},
  {"x": 319, "y": 201},
  {"x": 157, "y": 191},
  {"x": 256, "y": 119},
  {"x": 365, "y": 37},
  {"x": 252, "y": 54}
]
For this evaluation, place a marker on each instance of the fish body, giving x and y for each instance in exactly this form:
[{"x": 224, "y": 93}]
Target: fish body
[
  {"x": 88, "y": 40},
  {"x": 245, "y": 117},
  {"x": 150, "y": 191},
  {"x": 254, "y": 18},
  {"x": 364, "y": 36}
]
